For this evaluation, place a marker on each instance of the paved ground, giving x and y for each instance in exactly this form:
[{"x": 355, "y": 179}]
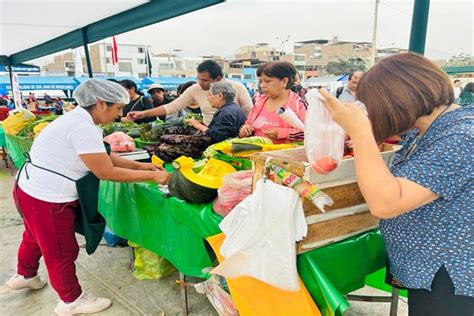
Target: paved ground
[{"x": 107, "y": 273}]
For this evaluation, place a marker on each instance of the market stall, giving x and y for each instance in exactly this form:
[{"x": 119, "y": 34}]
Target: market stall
[{"x": 146, "y": 214}]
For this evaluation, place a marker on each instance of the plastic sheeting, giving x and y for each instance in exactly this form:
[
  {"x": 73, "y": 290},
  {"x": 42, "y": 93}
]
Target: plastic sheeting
[
  {"x": 2, "y": 137},
  {"x": 332, "y": 271},
  {"x": 169, "y": 227},
  {"x": 254, "y": 297},
  {"x": 16, "y": 147}
]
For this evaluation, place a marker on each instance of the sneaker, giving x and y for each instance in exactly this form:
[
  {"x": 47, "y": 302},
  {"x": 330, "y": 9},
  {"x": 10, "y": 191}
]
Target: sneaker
[
  {"x": 18, "y": 282},
  {"x": 84, "y": 304}
]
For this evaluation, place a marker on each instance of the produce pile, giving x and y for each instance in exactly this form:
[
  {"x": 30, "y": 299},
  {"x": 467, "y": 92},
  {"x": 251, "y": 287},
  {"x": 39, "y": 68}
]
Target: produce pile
[
  {"x": 179, "y": 141},
  {"x": 126, "y": 127},
  {"x": 32, "y": 129}
]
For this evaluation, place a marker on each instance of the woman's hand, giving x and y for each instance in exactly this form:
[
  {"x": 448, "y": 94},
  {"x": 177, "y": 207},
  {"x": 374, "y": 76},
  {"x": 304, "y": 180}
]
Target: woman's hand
[
  {"x": 135, "y": 115},
  {"x": 348, "y": 115},
  {"x": 245, "y": 131},
  {"x": 271, "y": 132},
  {"x": 161, "y": 177},
  {"x": 197, "y": 125},
  {"x": 124, "y": 120}
]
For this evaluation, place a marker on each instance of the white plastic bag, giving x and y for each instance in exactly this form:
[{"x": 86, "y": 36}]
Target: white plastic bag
[
  {"x": 219, "y": 298},
  {"x": 260, "y": 236},
  {"x": 324, "y": 138}
]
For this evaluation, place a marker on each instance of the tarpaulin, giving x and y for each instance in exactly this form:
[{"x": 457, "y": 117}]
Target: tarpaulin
[
  {"x": 332, "y": 271},
  {"x": 16, "y": 147},
  {"x": 254, "y": 297},
  {"x": 167, "y": 226},
  {"x": 2, "y": 136}
]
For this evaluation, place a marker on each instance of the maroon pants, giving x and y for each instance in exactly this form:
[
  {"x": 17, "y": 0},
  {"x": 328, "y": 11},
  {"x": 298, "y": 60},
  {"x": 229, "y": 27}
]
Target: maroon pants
[{"x": 49, "y": 232}]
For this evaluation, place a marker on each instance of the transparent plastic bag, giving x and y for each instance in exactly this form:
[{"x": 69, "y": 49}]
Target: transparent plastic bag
[
  {"x": 217, "y": 295},
  {"x": 324, "y": 138},
  {"x": 235, "y": 188},
  {"x": 120, "y": 142}
]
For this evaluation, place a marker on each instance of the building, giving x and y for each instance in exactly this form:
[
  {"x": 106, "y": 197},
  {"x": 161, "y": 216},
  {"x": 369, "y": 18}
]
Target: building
[
  {"x": 311, "y": 49},
  {"x": 260, "y": 51},
  {"x": 132, "y": 61}
]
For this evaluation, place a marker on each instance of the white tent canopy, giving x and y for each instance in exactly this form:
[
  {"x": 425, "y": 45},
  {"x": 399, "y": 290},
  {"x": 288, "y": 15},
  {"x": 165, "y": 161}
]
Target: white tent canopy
[{"x": 28, "y": 23}]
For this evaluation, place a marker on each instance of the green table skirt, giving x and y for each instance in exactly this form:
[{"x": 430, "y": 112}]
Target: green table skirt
[{"x": 2, "y": 137}]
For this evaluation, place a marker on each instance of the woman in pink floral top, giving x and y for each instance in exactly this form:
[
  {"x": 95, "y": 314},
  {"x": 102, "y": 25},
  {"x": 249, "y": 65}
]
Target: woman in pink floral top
[{"x": 276, "y": 79}]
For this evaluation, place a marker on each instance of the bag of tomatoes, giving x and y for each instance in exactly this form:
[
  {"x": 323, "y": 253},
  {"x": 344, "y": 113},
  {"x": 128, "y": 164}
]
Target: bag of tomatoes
[{"x": 324, "y": 138}]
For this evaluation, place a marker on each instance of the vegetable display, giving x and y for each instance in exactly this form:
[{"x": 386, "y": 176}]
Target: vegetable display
[{"x": 119, "y": 127}]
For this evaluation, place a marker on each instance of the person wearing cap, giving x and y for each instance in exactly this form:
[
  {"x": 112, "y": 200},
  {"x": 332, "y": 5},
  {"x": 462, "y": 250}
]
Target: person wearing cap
[
  {"x": 208, "y": 72},
  {"x": 58, "y": 181},
  {"x": 158, "y": 95}
]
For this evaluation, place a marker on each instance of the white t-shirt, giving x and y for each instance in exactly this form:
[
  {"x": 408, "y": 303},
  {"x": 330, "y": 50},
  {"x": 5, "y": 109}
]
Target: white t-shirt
[{"x": 58, "y": 148}]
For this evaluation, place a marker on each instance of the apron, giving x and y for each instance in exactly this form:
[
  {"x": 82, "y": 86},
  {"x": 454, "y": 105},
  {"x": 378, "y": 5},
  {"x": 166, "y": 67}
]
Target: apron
[{"x": 88, "y": 221}]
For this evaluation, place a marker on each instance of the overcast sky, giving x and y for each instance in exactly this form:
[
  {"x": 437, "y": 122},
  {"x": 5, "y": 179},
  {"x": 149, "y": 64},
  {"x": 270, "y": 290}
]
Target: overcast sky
[{"x": 221, "y": 29}]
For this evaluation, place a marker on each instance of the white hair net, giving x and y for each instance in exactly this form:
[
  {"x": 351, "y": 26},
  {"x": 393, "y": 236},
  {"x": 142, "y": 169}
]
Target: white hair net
[{"x": 93, "y": 90}]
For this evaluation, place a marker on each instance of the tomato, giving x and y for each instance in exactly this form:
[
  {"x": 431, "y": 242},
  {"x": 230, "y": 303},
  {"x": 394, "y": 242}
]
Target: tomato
[{"x": 324, "y": 165}]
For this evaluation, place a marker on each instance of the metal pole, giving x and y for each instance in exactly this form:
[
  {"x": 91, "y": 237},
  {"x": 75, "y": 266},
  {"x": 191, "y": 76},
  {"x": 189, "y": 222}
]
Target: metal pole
[
  {"x": 374, "y": 34},
  {"x": 419, "y": 24},
  {"x": 10, "y": 74},
  {"x": 86, "y": 51}
]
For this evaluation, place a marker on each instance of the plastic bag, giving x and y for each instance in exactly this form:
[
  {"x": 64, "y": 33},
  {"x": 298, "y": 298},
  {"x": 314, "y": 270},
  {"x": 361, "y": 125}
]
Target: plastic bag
[
  {"x": 324, "y": 138},
  {"x": 260, "y": 236},
  {"x": 16, "y": 122},
  {"x": 219, "y": 298},
  {"x": 149, "y": 265},
  {"x": 235, "y": 188},
  {"x": 120, "y": 142}
]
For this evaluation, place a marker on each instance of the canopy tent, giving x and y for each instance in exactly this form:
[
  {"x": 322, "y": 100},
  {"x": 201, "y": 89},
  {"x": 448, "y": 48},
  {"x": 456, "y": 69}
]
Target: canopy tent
[
  {"x": 170, "y": 83},
  {"x": 32, "y": 29},
  {"x": 40, "y": 83}
]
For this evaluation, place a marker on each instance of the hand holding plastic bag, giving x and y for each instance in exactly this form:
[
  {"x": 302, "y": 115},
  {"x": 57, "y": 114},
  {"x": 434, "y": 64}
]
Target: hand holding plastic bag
[{"x": 324, "y": 138}]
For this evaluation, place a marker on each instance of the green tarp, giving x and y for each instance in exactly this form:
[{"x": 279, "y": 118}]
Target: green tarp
[{"x": 176, "y": 230}]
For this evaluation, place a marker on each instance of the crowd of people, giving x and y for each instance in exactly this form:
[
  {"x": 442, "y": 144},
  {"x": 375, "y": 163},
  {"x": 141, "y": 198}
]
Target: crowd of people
[{"x": 424, "y": 200}]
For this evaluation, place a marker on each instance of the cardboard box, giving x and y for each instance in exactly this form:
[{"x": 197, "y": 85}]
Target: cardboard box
[{"x": 348, "y": 216}]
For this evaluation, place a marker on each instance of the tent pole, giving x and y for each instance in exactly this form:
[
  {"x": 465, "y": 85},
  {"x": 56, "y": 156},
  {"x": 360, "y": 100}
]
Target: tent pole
[
  {"x": 86, "y": 51},
  {"x": 419, "y": 24},
  {"x": 10, "y": 74}
]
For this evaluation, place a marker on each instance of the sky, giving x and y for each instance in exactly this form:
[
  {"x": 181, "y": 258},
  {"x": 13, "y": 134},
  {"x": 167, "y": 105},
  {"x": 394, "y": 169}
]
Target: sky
[{"x": 223, "y": 28}]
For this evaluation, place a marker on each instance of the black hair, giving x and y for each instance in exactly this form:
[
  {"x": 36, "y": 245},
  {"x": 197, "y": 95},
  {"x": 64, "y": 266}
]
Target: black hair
[
  {"x": 92, "y": 106},
  {"x": 469, "y": 87},
  {"x": 352, "y": 74},
  {"x": 113, "y": 80},
  {"x": 280, "y": 70},
  {"x": 211, "y": 67},
  {"x": 457, "y": 80},
  {"x": 184, "y": 86},
  {"x": 129, "y": 84}
]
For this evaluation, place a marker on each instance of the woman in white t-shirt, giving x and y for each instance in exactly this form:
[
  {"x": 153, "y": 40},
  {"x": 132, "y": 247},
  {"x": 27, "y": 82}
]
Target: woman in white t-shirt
[{"x": 48, "y": 193}]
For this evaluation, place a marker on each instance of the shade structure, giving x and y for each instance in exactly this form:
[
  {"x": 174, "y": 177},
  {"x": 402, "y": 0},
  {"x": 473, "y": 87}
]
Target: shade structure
[{"x": 30, "y": 29}]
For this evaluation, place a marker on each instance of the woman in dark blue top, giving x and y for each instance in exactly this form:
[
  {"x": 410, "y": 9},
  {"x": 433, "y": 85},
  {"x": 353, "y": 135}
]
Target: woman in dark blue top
[
  {"x": 229, "y": 117},
  {"x": 426, "y": 198}
]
